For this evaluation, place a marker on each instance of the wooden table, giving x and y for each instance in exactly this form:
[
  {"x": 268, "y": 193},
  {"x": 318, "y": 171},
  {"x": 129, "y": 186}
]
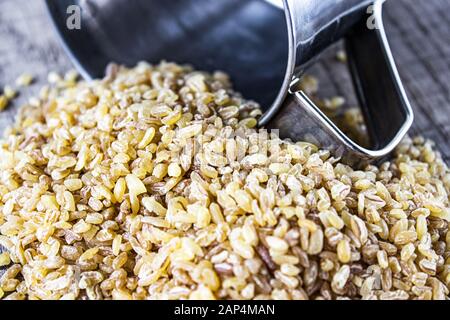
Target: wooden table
[{"x": 419, "y": 33}]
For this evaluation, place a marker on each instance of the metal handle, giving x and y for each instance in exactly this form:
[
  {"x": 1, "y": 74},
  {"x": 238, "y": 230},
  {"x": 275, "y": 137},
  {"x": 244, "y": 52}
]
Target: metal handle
[
  {"x": 384, "y": 103},
  {"x": 377, "y": 84}
]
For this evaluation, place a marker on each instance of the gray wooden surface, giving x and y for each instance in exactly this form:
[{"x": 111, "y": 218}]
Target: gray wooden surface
[{"x": 419, "y": 33}]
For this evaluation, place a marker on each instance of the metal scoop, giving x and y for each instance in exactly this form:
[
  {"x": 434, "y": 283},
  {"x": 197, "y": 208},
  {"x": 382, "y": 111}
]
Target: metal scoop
[{"x": 264, "y": 47}]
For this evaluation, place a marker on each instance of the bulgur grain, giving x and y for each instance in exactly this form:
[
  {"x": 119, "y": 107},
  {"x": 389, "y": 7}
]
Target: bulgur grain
[
  {"x": 24, "y": 80},
  {"x": 153, "y": 184}
]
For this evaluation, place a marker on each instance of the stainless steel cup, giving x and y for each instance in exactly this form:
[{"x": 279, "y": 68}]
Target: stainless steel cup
[{"x": 265, "y": 45}]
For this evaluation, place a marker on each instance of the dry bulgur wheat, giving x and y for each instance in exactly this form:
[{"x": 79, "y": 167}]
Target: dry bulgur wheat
[{"x": 106, "y": 194}]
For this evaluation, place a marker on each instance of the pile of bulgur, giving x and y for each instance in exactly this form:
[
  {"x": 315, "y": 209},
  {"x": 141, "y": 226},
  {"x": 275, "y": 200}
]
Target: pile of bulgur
[{"x": 153, "y": 183}]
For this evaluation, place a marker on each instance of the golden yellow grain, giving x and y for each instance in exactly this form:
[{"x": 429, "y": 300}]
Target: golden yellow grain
[
  {"x": 4, "y": 259},
  {"x": 24, "y": 80},
  {"x": 3, "y": 102}
]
